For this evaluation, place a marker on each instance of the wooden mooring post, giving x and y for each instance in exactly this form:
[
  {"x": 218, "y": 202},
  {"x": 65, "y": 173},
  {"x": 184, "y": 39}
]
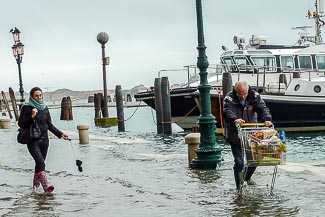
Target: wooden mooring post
[
  {"x": 6, "y": 104},
  {"x": 97, "y": 105},
  {"x": 226, "y": 83},
  {"x": 119, "y": 108},
  {"x": 162, "y": 106},
  {"x": 226, "y": 88},
  {"x": 165, "y": 102},
  {"x": 14, "y": 103},
  {"x": 99, "y": 111},
  {"x": 70, "y": 108},
  {"x": 160, "y": 129},
  {"x": 66, "y": 109}
]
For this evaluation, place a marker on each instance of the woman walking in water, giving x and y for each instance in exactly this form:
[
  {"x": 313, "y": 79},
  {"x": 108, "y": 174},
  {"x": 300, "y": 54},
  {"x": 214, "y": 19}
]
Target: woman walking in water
[{"x": 36, "y": 111}]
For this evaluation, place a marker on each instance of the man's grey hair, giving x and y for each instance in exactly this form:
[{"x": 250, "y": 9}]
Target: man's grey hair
[{"x": 238, "y": 83}]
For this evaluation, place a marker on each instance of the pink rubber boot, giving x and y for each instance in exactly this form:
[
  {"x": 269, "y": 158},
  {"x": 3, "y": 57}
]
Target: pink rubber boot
[
  {"x": 43, "y": 180},
  {"x": 36, "y": 181}
]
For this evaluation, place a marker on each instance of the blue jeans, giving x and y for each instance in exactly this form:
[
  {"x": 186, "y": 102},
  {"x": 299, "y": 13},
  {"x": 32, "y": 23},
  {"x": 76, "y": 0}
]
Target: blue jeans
[
  {"x": 236, "y": 152},
  {"x": 238, "y": 155}
]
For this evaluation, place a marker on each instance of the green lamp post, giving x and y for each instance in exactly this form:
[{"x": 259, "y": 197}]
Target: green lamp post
[{"x": 208, "y": 155}]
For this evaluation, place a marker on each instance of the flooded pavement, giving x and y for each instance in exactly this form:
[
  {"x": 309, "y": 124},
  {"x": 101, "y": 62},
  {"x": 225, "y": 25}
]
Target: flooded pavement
[{"x": 139, "y": 173}]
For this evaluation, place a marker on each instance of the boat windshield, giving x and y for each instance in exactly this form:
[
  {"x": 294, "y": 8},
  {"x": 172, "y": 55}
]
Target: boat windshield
[
  {"x": 305, "y": 62},
  {"x": 287, "y": 62},
  {"x": 320, "y": 62},
  {"x": 228, "y": 64},
  {"x": 243, "y": 63},
  {"x": 265, "y": 63}
]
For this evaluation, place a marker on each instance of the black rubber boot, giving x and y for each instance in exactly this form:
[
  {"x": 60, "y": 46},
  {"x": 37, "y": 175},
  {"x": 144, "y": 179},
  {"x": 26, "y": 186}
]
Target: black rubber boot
[
  {"x": 249, "y": 172},
  {"x": 239, "y": 179}
]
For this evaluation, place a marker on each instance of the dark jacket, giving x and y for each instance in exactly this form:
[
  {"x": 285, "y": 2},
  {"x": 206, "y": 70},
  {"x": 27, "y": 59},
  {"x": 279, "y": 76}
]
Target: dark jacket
[
  {"x": 43, "y": 119},
  {"x": 254, "y": 110}
]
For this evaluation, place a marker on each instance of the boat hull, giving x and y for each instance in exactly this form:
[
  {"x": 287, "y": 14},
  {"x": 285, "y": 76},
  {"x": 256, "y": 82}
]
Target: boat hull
[{"x": 301, "y": 114}]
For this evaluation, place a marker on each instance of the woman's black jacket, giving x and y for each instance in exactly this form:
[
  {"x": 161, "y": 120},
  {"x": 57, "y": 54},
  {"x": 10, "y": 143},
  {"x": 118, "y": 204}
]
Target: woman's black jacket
[{"x": 43, "y": 119}]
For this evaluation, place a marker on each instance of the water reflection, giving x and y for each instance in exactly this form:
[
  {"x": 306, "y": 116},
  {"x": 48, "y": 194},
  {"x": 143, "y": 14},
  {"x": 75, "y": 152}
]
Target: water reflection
[
  {"x": 258, "y": 202},
  {"x": 205, "y": 176}
]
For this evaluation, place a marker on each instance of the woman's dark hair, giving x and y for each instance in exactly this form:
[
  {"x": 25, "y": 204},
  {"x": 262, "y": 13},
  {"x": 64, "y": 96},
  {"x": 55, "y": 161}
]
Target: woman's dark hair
[{"x": 34, "y": 89}]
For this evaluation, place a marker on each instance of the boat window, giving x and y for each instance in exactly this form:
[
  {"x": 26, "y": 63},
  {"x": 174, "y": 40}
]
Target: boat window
[
  {"x": 265, "y": 63},
  {"x": 317, "y": 89},
  {"x": 297, "y": 87},
  {"x": 229, "y": 66},
  {"x": 320, "y": 62},
  {"x": 305, "y": 62},
  {"x": 243, "y": 63},
  {"x": 287, "y": 62},
  {"x": 259, "y": 52}
]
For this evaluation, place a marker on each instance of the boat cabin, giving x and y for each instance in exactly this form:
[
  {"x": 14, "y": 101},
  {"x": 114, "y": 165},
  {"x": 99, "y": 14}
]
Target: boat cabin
[{"x": 258, "y": 56}]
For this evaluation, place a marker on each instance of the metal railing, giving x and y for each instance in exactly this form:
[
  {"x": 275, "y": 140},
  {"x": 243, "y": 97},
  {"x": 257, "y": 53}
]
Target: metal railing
[{"x": 253, "y": 70}]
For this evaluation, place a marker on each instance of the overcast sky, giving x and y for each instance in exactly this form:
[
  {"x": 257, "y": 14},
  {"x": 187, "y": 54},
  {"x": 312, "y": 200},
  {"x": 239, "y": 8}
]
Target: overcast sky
[{"x": 61, "y": 50}]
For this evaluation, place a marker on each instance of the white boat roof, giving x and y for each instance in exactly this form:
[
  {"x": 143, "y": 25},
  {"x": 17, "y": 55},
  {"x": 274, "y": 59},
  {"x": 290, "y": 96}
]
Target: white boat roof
[
  {"x": 316, "y": 49},
  {"x": 285, "y": 51},
  {"x": 253, "y": 51}
]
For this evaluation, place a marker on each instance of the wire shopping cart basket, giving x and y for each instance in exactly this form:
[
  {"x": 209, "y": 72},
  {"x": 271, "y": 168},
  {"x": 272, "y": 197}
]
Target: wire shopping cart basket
[{"x": 261, "y": 146}]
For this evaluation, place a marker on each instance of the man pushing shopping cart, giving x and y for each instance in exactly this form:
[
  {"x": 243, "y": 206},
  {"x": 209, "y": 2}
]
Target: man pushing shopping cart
[{"x": 243, "y": 105}]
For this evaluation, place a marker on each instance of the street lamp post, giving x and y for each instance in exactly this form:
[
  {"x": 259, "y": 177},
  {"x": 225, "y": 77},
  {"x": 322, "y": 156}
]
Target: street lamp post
[
  {"x": 18, "y": 52},
  {"x": 102, "y": 38},
  {"x": 208, "y": 155}
]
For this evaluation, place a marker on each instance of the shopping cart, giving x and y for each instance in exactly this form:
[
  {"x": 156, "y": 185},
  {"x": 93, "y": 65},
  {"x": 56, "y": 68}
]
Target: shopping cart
[{"x": 261, "y": 146}]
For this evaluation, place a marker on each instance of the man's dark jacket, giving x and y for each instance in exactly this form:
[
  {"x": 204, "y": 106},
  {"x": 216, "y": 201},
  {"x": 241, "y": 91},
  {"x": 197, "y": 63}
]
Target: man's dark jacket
[{"x": 254, "y": 110}]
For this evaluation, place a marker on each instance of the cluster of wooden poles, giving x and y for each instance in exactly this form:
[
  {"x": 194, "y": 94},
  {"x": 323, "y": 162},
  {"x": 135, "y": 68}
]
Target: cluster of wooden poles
[{"x": 162, "y": 106}]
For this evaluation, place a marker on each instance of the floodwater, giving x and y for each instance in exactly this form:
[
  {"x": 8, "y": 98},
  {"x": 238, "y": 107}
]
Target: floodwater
[{"x": 139, "y": 173}]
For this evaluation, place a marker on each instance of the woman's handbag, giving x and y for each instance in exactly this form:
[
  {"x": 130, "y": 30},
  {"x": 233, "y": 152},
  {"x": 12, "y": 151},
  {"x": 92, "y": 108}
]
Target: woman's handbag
[{"x": 30, "y": 134}]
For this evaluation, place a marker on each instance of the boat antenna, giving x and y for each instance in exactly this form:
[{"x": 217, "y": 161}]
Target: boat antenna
[
  {"x": 303, "y": 34},
  {"x": 316, "y": 15}
]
